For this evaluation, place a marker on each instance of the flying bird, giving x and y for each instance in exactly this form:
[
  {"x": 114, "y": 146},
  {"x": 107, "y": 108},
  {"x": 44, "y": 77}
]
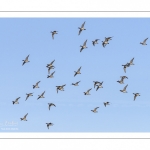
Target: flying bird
[
  {"x": 121, "y": 81},
  {"x": 26, "y": 60},
  {"x": 95, "y": 110},
  {"x": 53, "y": 33},
  {"x": 50, "y": 64},
  {"x": 87, "y": 92},
  {"x": 144, "y": 42},
  {"x": 96, "y": 82},
  {"x": 36, "y": 85},
  {"x": 50, "y": 104},
  {"x": 51, "y": 75},
  {"x": 49, "y": 124},
  {"x": 28, "y": 95},
  {"x": 76, "y": 84},
  {"x": 24, "y": 118},
  {"x": 105, "y": 42},
  {"x": 81, "y": 28},
  {"x": 106, "y": 103},
  {"x": 135, "y": 95},
  {"x": 95, "y": 42},
  {"x": 61, "y": 88},
  {"x": 41, "y": 96},
  {"x": 16, "y": 101},
  {"x": 99, "y": 86},
  {"x": 83, "y": 46},
  {"x": 124, "y": 89},
  {"x": 77, "y": 72}
]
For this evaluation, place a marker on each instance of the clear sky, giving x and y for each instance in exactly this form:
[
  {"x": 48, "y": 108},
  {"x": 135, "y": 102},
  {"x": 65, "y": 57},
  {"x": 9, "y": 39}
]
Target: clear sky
[{"x": 21, "y": 37}]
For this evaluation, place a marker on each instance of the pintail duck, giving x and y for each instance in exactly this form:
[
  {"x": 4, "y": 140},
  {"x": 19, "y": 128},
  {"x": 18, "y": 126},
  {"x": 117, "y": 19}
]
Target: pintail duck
[
  {"x": 121, "y": 81},
  {"x": 36, "y": 85},
  {"x": 144, "y": 42},
  {"x": 104, "y": 43},
  {"x": 50, "y": 64},
  {"x": 53, "y": 33},
  {"x": 99, "y": 86},
  {"x": 124, "y": 89},
  {"x": 76, "y": 84},
  {"x": 95, "y": 42},
  {"x": 24, "y": 118},
  {"x": 95, "y": 110},
  {"x": 51, "y": 104},
  {"x": 26, "y": 60},
  {"x": 49, "y": 124},
  {"x": 16, "y": 101},
  {"x": 96, "y": 82},
  {"x": 28, "y": 95},
  {"x": 83, "y": 46},
  {"x": 135, "y": 95},
  {"x": 49, "y": 68},
  {"x": 41, "y": 96},
  {"x": 61, "y": 88},
  {"x": 81, "y": 28},
  {"x": 77, "y": 72},
  {"x": 51, "y": 75},
  {"x": 106, "y": 103},
  {"x": 87, "y": 92}
]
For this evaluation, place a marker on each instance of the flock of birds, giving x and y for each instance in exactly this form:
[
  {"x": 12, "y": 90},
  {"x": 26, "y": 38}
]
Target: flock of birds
[{"x": 97, "y": 84}]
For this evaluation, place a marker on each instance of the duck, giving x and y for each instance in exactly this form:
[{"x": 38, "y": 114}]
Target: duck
[
  {"x": 61, "y": 88},
  {"x": 95, "y": 83},
  {"x": 76, "y": 84},
  {"x": 95, "y": 110},
  {"x": 135, "y": 95},
  {"x": 28, "y": 95},
  {"x": 99, "y": 86},
  {"x": 26, "y": 60},
  {"x": 108, "y": 38},
  {"x": 51, "y": 104},
  {"x": 77, "y": 72},
  {"x": 51, "y": 75},
  {"x": 124, "y": 89},
  {"x": 105, "y": 42},
  {"x": 16, "y": 101},
  {"x": 83, "y": 46},
  {"x": 49, "y": 124},
  {"x": 81, "y": 28},
  {"x": 24, "y": 118},
  {"x": 106, "y": 103},
  {"x": 125, "y": 66},
  {"x": 53, "y": 33},
  {"x": 36, "y": 85},
  {"x": 95, "y": 42},
  {"x": 41, "y": 96},
  {"x": 121, "y": 81},
  {"x": 50, "y": 64},
  {"x": 87, "y": 92},
  {"x": 144, "y": 42}
]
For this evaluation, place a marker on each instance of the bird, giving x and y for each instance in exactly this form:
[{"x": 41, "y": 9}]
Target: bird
[
  {"x": 81, "y": 28},
  {"x": 135, "y": 95},
  {"x": 26, "y": 60},
  {"x": 95, "y": 110},
  {"x": 144, "y": 42},
  {"x": 99, "y": 86},
  {"x": 87, "y": 92},
  {"x": 16, "y": 101},
  {"x": 124, "y": 67},
  {"x": 106, "y": 103},
  {"x": 61, "y": 88},
  {"x": 51, "y": 104},
  {"x": 53, "y": 33},
  {"x": 95, "y": 42},
  {"x": 124, "y": 89},
  {"x": 121, "y": 81},
  {"x": 124, "y": 77},
  {"x": 28, "y": 95},
  {"x": 108, "y": 38},
  {"x": 49, "y": 124},
  {"x": 95, "y": 83},
  {"x": 41, "y": 96},
  {"x": 83, "y": 46},
  {"x": 49, "y": 68},
  {"x": 36, "y": 85},
  {"x": 105, "y": 42},
  {"x": 77, "y": 72},
  {"x": 51, "y": 75},
  {"x": 76, "y": 84},
  {"x": 50, "y": 64},
  {"x": 24, "y": 118}
]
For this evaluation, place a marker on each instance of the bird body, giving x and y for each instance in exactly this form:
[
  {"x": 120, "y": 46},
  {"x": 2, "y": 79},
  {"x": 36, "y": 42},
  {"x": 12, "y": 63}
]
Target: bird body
[
  {"x": 83, "y": 46},
  {"x": 41, "y": 96},
  {"x": 49, "y": 124},
  {"x": 95, "y": 110},
  {"x": 77, "y": 72},
  {"x": 124, "y": 89},
  {"x": 36, "y": 85},
  {"x": 53, "y": 33},
  {"x": 81, "y": 28},
  {"x": 28, "y": 95},
  {"x": 87, "y": 92},
  {"x": 61, "y": 88},
  {"x": 24, "y": 118},
  {"x": 135, "y": 95},
  {"x": 16, "y": 101},
  {"x": 26, "y": 60}
]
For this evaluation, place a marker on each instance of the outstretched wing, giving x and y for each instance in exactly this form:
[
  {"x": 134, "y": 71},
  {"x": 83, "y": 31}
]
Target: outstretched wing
[
  {"x": 83, "y": 25},
  {"x": 79, "y": 69},
  {"x": 25, "y": 115},
  {"x": 145, "y": 40},
  {"x": 125, "y": 87},
  {"x": 84, "y": 44}
]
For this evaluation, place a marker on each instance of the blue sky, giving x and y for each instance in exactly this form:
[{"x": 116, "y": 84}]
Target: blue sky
[{"x": 23, "y": 36}]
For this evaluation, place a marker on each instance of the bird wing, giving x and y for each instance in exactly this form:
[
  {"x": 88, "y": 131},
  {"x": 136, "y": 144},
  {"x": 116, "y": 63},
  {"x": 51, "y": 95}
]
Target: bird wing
[
  {"x": 53, "y": 35},
  {"x": 43, "y": 93},
  {"x": 89, "y": 90},
  {"x": 52, "y": 62},
  {"x": 25, "y": 115},
  {"x": 131, "y": 60},
  {"x": 79, "y": 32},
  {"x": 79, "y": 69},
  {"x": 145, "y": 40},
  {"x": 83, "y": 25},
  {"x": 84, "y": 44},
  {"x": 125, "y": 87},
  {"x": 124, "y": 69},
  {"x": 96, "y": 108}
]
